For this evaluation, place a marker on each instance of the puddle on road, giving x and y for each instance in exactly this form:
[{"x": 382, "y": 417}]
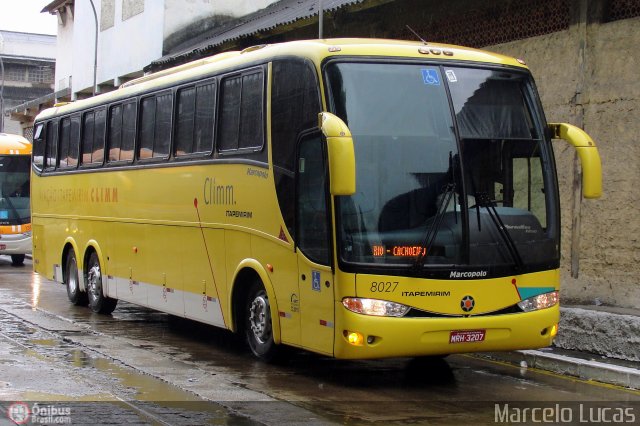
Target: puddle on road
[{"x": 90, "y": 383}]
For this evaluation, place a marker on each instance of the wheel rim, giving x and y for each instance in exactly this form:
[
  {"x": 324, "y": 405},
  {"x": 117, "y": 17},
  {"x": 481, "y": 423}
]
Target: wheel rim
[
  {"x": 94, "y": 281},
  {"x": 72, "y": 276},
  {"x": 260, "y": 319}
]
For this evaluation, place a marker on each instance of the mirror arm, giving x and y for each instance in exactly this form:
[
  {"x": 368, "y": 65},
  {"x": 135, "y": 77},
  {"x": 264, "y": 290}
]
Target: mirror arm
[{"x": 588, "y": 153}]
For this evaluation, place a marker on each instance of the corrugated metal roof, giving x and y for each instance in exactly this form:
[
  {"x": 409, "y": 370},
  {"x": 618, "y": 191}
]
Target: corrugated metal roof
[
  {"x": 284, "y": 12},
  {"x": 55, "y": 5}
]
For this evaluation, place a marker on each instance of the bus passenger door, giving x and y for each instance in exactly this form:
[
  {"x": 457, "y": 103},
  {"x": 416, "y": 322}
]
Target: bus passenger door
[{"x": 315, "y": 278}]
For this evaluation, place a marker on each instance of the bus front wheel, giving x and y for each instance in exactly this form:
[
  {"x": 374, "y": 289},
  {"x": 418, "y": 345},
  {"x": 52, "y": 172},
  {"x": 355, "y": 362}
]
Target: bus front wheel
[
  {"x": 257, "y": 323},
  {"x": 75, "y": 295},
  {"x": 98, "y": 302}
]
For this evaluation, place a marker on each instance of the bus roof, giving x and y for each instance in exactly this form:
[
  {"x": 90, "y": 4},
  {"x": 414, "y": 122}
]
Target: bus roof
[
  {"x": 316, "y": 50},
  {"x": 14, "y": 144}
]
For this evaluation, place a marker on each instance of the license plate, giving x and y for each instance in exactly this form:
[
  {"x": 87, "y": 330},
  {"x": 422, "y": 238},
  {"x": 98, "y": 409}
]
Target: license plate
[{"x": 467, "y": 336}]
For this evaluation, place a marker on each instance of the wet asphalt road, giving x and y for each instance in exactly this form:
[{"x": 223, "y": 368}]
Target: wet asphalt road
[{"x": 143, "y": 367}]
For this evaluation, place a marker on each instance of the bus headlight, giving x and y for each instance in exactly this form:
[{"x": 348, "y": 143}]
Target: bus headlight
[
  {"x": 380, "y": 308},
  {"x": 541, "y": 301}
]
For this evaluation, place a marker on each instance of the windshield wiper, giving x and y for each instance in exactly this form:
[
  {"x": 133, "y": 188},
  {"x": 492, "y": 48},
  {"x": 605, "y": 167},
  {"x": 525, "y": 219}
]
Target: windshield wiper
[
  {"x": 483, "y": 200},
  {"x": 430, "y": 236}
]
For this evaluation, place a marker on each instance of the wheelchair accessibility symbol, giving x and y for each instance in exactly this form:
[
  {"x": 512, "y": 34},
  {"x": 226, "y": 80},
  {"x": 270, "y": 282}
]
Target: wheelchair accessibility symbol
[{"x": 430, "y": 76}]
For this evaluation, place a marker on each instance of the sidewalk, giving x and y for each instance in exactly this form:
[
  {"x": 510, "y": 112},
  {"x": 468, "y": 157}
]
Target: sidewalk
[{"x": 594, "y": 343}]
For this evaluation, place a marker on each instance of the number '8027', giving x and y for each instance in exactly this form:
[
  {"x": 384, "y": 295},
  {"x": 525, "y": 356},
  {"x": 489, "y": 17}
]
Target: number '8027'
[{"x": 383, "y": 286}]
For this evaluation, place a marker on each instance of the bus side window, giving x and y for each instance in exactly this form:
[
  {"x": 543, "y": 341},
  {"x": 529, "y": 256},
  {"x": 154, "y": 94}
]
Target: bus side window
[
  {"x": 295, "y": 104},
  {"x": 38, "y": 146},
  {"x": 195, "y": 114},
  {"x": 65, "y": 136},
  {"x": 88, "y": 136},
  {"x": 185, "y": 118},
  {"x": 205, "y": 117},
  {"x": 155, "y": 126},
  {"x": 128, "y": 131},
  {"x": 311, "y": 194},
  {"x": 114, "y": 138},
  {"x": 69, "y": 141},
  {"x": 241, "y": 121},
  {"x": 51, "y": 145},
  {"x": 97, "y": 156}
]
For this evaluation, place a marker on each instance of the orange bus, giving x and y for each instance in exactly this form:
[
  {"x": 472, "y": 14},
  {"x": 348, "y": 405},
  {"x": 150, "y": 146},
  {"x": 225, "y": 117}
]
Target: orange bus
[{"x": 15, "y": 214}]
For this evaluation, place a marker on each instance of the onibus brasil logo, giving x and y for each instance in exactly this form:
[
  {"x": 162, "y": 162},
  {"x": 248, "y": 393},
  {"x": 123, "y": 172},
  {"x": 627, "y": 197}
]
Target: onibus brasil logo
[{"x": 20, "y": 413}]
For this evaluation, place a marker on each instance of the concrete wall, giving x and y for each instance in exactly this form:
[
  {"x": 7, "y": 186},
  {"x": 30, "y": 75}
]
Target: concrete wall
[
  {"x": 30, "y": 51},
  {"x": 64, "y": 55},
  {"x": 29, "y": 45},
  {"x": 597, "y": 90},
  {"x": 131, "y": 34},
  {"x": 124, "y": 48},
  {"x": 186, "y": 20}
]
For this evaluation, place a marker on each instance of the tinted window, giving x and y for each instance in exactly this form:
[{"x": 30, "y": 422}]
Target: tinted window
[
  {"x": 115, "y": 132},
  {"x": 88, "y": 137},
  {"x": 51, "y": 145},
  {"x": 164, "y": 108},
  {"x": 295, "y": 105},
  {"x": 38, "y": 146},
  {"x": 205, "y": 115},
  {"x": 65, "y": 135},
  {"x": 313, "y": 224},
  {"x": 155, "y": 126},
  {"x": 93, "y": 126},
  {"x": 241, "y": 119},
  {"x": 195, "y": 118},
  {"x": 147, "y": 126},
  {"x": 186, "y": 109},
  {"x": 251, "y": 112},
  {"x": 74, "y": 142},
  {"x": 229, "y": 113},
  {"x": 128, "y": 131},
  {"x": 99, "y": 133}
]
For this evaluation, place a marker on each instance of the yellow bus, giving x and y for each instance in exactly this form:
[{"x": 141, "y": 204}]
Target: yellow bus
[
  {"x": 355, "y": 198},
  {"x": 15, "y": 212}
]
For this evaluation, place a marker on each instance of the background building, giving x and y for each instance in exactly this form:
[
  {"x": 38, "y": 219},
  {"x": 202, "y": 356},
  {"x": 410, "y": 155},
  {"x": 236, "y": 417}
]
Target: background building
[
  {"x": 583, "y": 54},
  {"x": 130, "y": 35},
  {"x": 28, "y": 61}
]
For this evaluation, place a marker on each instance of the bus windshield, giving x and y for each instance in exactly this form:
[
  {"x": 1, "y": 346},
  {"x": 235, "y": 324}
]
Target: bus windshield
[
  {"x": 452, "y": 168},
  {"x": 14, "y": 189}
]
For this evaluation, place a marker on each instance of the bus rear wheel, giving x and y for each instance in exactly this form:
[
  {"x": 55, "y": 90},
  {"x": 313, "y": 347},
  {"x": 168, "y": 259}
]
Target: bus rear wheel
[
  {"x": 98, "y": 302},
  {"x": 17, "y": 259},
  {"x": 75, "y": 295},
  {"x": 258, "y": 324}
]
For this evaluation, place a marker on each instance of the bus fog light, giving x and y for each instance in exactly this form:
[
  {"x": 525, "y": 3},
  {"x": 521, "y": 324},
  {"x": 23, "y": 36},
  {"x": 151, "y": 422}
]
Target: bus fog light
[
  {"x": 354, "y": 338},
  {"x": 381, "y": 308},
  {"x": 541, "y": 301},
  {"x": 554, "y": 330}
]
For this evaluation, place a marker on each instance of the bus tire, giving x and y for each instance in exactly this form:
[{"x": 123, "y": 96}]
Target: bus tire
[
  {"x": 17, "y": 259},
  {"x": 75, "y": 295},
  {"x": 258, "y": 323},
  {"x": 98, "y": 302}
]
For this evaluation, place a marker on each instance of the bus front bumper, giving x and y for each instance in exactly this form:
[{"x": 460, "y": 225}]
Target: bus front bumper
[
  {"x": 15, "y": 244},
  {"x": 383, "y": 337}
]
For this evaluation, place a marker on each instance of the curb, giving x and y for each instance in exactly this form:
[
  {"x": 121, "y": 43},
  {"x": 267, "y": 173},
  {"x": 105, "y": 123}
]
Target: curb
[{"x": 627, "y": 377}]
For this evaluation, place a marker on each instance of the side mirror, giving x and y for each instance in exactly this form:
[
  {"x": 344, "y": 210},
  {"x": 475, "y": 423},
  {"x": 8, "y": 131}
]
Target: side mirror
[
  {"x": 588, "y": 153},
  {"x": 342, "y": 159}
]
